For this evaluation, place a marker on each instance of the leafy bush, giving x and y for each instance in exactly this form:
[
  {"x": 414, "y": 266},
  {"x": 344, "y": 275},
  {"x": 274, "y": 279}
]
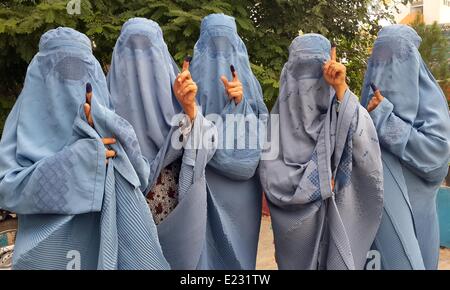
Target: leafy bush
[
  {"x": 435, "y": 51},
  {"x": 267, "y": 27}
]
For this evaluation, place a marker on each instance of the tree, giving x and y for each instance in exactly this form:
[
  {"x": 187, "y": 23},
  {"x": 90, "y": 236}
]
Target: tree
[
  {"x": 435, "y": 50},
  {"x": 266, "y": 26}
]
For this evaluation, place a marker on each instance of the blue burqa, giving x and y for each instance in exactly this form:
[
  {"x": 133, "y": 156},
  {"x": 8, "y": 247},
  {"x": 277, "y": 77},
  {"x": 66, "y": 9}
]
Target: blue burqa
[
  {"x": 75, "y": 212},
  {"x": 140, "y": 81},
  {"x": 319, "y": 139},
  {"x": 413, "y": 126},
  {"x": 234, "y": 199}
]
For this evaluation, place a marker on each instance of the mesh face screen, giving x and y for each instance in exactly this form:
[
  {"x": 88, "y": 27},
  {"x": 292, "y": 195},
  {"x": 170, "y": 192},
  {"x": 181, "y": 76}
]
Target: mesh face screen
[
  {"x": 387, "y": 49},
  {"x": 382, "y": 52},
  {"x": 137, "y": 41},
  {"x": 220, "y": 45},
  {"x": 71, "y": 68},
  {"x": 306, "y": 68}
]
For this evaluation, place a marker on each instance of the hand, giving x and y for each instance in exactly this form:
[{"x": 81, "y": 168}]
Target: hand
[
  {"x": 109, "y": 153},
  {"x": 185, "y": 90},
  {"x": 375, "y": 101},
  {"x": 233, "y": 88},
  {"x": 335, "y": 75},
  {"x": 87, "y": 105},
  {"x": 87, "y": 111}
]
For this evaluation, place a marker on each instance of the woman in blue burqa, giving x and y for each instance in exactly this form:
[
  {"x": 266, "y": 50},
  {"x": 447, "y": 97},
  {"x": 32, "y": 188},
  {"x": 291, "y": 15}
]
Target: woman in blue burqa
[
  {"x": 148, "y": 90},
  {"x": 411, "y": 116},
  {"x": 324, "y": 188},
  {"x": 78, "y": 207},
  {"x": 228, "y": 91}
]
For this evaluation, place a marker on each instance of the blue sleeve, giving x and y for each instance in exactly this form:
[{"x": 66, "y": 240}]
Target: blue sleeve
[
  {"x": 195, "y": 159},
  {"x": 69, "y": 182},
  {"x": 424, "y": 149},
  {"x": 238, "y": 161}
]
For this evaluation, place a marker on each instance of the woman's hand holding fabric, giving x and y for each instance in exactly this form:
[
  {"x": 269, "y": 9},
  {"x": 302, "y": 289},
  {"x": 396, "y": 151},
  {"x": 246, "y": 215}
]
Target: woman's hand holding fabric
[
  {"x": 185, "y": 90},
  {"x": 233, "y": 88},
  {"x": 87, "y": 110},
  {"x": 335, "y": 75},
  {"x": 375, "y": 101}
]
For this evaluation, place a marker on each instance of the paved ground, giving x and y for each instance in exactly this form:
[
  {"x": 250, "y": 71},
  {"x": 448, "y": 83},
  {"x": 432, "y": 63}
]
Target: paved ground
[
  {"x": 266, "y": 259},
  {"x": 444, "y": 263}
]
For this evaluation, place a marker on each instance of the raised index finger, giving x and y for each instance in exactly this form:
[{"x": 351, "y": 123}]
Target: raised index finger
[
  {"x": 88, "y": 93},
  {"x": 333, "y": 52},
  {"x": 186, "y": 63},
  {"x": 233, "y": 73}
]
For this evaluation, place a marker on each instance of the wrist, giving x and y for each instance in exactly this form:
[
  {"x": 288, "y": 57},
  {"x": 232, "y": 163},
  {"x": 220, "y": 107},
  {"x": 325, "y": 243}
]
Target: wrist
[
  {"x": 239, "y": 100},
  {"x": 191, "y": 112},
  {"x": 340, "y": 91}
]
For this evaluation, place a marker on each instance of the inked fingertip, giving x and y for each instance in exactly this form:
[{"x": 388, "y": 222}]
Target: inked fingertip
[
  {"x": 233, "y": 70},
  {"x": 88, "y": 88},
  {"x": 374, "y": 87},
  {"x": 188, "y": 59}
]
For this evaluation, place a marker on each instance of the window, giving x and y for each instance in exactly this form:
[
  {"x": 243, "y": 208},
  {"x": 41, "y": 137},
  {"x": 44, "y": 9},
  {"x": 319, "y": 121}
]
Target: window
[{"x": 418, "y": 9}]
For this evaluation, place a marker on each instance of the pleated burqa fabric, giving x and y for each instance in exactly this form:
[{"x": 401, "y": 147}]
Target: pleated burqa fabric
[
  {"x": 413, "y": 126},
  {"x": 234, "y": 192},
  {"x": 315, "y": 228},
  {"x": 140, "y": 80},
  {"x": 74, "y": 211}
]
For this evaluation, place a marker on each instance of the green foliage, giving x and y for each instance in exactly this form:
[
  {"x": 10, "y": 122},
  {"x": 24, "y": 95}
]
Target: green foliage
[
  {"x": 434, "y": 50},
  {"x": 266, "y": 26},
  {"x": 6, "y": 103}
]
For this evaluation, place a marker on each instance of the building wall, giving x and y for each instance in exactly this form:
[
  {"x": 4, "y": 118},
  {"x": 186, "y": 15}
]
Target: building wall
[
  {"x": 433, "y": 10},
  {"x": 404, "y": 10},
  {"x": 445, "y": 11}
]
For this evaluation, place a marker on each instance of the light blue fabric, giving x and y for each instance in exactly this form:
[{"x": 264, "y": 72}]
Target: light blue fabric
[
  {"x": 315, "y": 228},
  {"x": 140, "y": 80},
  {"x": 74, "y": 212},
  {"x": 234, "y": 200},
  {"x": 413, "y": 126}
]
